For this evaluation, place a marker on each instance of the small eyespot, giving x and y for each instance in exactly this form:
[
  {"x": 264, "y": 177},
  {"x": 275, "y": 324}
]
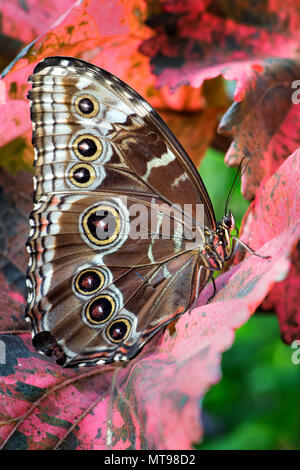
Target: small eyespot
[
  {"x": 100, "y": 309},
  {"x": 101, "y": 225},
  {"x": 86, "y": 105},
  {"x": 82, "y": 175},
  {"x": 87, "y": 147},
  {"x": 89, "y": 281},
  {"x": 118, "y": 330}
]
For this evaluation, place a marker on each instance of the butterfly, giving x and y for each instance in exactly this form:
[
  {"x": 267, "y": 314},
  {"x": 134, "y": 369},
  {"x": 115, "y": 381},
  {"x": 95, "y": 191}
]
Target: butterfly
[{"x": 123, "y": 235}]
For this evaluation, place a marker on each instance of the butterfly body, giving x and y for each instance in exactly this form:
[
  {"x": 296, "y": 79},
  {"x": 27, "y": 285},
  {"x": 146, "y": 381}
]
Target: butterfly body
[{"x": 118, "y": 247}]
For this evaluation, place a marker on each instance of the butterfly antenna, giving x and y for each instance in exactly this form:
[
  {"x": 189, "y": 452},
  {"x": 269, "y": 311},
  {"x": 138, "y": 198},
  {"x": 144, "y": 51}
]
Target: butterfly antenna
[
  {"x": 238, "y": 175},
  {"x": 233, "y": 186}
]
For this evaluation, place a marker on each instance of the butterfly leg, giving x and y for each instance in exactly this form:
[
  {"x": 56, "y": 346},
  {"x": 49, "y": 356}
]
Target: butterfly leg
[
  {"x": 197, "y": 288},
  {"x": 212, "y": 270},
  {"x": 252, "y": 252},
  {"x": 214, "y": 292}
]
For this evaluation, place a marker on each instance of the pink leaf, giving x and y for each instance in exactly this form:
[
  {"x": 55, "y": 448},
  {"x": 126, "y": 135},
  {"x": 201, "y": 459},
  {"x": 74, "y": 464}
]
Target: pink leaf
[
  {"x": 275, "y": 212},
  {"x": 197, "y": 40},
  {"x": 27, "y": 19},
  {"x": 83, "y": 32},
  {"x": 263, "y": 123}
]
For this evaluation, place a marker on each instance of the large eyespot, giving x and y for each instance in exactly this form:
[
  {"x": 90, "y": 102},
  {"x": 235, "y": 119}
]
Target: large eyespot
[
  {"x": 105, "y": 225},
  {"x": 89, "y": 281},
  {"x": 101, "y": 224},
  {"x": 82, "y": 175},
  {"x": 86, "y": 105},
  {"x": 87, "y": 147},
  {"x": 118, "y": 330},
  {"x": 100, "y": 309}
]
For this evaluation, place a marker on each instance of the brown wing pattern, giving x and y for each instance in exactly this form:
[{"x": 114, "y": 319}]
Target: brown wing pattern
[{"x": 101, "y": 280}]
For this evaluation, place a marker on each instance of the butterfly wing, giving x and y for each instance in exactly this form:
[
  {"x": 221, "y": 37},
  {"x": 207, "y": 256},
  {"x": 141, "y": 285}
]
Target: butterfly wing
[{"x": 102, "y": 281}]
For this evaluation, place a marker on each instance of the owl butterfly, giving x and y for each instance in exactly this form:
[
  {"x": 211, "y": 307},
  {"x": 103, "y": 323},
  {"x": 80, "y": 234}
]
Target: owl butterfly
[{"x": 123, "y": 234}]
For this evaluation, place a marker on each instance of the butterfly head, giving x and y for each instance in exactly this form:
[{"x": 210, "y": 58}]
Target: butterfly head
[
  {"x": 225, "y": 231},
  {"x": 228, "y": 221}
]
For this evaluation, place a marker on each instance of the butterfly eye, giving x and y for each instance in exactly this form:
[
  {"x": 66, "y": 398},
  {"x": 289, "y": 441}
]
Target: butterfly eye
[
  {"x": 118, "y": 330},
  {"x": 87, "y": 147},
  {"x": 86, "y": 105},
  {"x": 89, "y": 281},
  {"x": 100, "y": 309},
  {"x": 101, "y": 225},
  {"x": 227, "y": 220},
  {"x": 82, "y": 175}
]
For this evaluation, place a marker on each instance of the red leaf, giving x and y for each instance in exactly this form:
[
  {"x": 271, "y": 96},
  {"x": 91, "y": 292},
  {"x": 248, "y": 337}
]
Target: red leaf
[
  {"x": 196, "y": 40},
  {"x": 264, "y": 122},
  {"x": 15, "y": 207},
  {"x": 284, "y": 299},
  {"x": 85, "y": 32},
  {"x": 276, "y": 213},
  {"x": 25, "y": 20}
]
